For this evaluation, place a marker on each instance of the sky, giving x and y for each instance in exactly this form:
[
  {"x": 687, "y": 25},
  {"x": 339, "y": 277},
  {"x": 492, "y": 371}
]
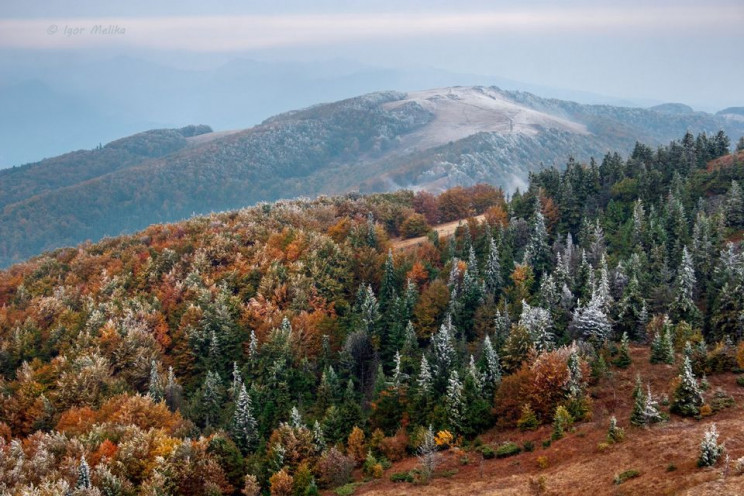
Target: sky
[
  {"x": 661, "y": 51},
  {"x": 665, "y": 51}
]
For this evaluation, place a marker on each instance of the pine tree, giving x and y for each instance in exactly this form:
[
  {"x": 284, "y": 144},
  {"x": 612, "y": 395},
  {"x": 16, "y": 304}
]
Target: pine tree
[
  {"x": 735, "y": 206},
  {"x": 318, "y": 438},
  {"x": 244, "y": 423},
  {"x": 687, "y": 397},
  {"x": 252, "y": 346},
  {"x": 444, "y": 353},
  {"x": 475, "y": 375},
  {"x": 173, "y": 391},
  {"x": 83, "y": 481},
  {"x": 425, "y": 380},
  {"x": 561, "y": 422},
  {"x": 453, "y": 404},
  {"x": 604, "y": 293},
  {"x": 710, "y": 450},
  {"x": 683, "y": 307},
  {"x": 295, "y": 419},
  {"x": 491, "y": 366},
  {"x": 651, "y": 408},
  {"x": 637, "y": 416},
  {"x": 623, "y": 360},
  {"x": 388, "y": 284},
  {"x": 539, "y": 324},
  {"x": 371, "y": 231},
  {"x": 493, "y": 280},
  {"x": 591, "y": 323},
  {"x": 538, "y": 249},
  {"x": 237, "y": 381},
  {"x": 211, "y": 399},
  {"x": 155, "y": 388},
  {"x": 615, "y": 434}
]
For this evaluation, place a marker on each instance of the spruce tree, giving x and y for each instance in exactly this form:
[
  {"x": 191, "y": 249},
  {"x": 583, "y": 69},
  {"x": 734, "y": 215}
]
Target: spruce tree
[
  {"x": 538, "y": 323},
  {"x": 493, "y": 280},
  {"x": 83, "y": 480},
  {"x": 491, "y": 366},
  {"x": 538, "y": 249},
  {"x": 637, "y": 415},
  {"x": 173, "y": 391},
  {"x": 211, "y": 399},
  {"x": 443, "y": 349},
  {"x": 615, "y": 434},
  {"x": 735, "y": 206},
  {"x": 710, "y": 450},
  {"x": 244, "y": 423},
  {"x": 623, "y": 359},
  {"x": 155, "y": 388},
  {"x": 683, "y": 307},
  {"x": 591, "y": 323},
  {"x": 630, "y": 309},
  {"x": 425, "y": 379},
  {"x": 454, "y": 405},
  {"x": 687, "y": 396}
]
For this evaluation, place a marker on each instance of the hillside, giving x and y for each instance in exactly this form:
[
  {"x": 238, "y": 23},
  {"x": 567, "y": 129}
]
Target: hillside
[
  {"x": 429, "y": 140},
  {"x": 290, "y": 348}
]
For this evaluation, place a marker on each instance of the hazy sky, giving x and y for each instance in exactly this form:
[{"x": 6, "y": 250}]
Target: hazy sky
[{"x": 666, "y": 51}]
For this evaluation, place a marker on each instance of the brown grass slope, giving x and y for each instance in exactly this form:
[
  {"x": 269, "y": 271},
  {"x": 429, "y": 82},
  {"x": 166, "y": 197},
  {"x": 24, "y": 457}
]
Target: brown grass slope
[{"x": 576, "y": 466}]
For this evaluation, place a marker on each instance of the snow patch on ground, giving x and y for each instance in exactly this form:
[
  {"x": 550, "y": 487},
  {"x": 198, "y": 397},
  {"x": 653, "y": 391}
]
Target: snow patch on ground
[{"x": 463, "y": 111}]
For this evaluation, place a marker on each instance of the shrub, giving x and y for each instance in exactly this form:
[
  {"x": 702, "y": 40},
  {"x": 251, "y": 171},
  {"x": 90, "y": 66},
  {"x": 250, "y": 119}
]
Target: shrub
[
  {"x": 281, "y": 483},
  {"x": 528, "y": 420},
  {"x": 561, "y": 422},
  {"x": 740, "y": 380},
  {"x": 528, "y": 446},
  {"x": 624, "y": 476},
  {"x": 507, "y": 449},
  {"x": 546, "y": 443},
  {"x": 487, "y": 452},
  {"x": 706, "y": 411},
  {"x": 444, "y": 439},
  {"x": 334, "y": 468},
  {"x": 542, "y": 462},
  {"x": 401, "y": 477},
  {"x": 722, "y": 358},
  {"x": 671, "y": 467},
  {"x": 356, "y": 447},
  {"x": 615, "y": 434},
  {"x": 346, "y": 490},
  {"x": 394, "y": 448},
  {"x": 414, "y": 226},
  {"x": 721, "y": 400}
]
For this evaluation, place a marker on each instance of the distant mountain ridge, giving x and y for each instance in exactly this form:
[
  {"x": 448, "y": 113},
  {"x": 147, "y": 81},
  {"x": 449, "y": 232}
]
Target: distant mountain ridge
[{"x": 431, "y": 139}]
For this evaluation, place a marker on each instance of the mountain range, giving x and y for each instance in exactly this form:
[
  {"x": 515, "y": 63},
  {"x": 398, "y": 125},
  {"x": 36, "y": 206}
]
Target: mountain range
[{"x": 431, "y": 139}]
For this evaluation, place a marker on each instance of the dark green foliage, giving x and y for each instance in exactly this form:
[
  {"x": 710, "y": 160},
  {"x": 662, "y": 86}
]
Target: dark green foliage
[
  {"x": 626, "y": 475},
  {"x": 401, "y": 477},
  {"x": 508, "y": 449},
  {"x": 487, "y": 451}
]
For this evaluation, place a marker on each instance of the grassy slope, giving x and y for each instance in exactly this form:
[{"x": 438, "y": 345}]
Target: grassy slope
[{"x": 577, "y": 466}]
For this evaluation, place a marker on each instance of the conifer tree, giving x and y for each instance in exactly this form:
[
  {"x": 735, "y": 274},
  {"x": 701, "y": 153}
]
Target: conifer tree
[
  {"x": 155, "y": 388},
  {"x": 211, "y": 399},
  {"x": 318, "y": 438},
  {"x": 623, "y": 359},
  {"x": 590, "y": 322},
  {"x": 388, "y": 284},
  {"x": 538, "y": 249},
  {"x": 710, "y": 450},
  {"x": 252, "y": 346},
  {"x": 237, "y": 381},
  {"x": 295, "y": 419},
  {"x": 454, "y": 404},
  {"x": 371, "y": 231},
  {"x": 687, "y": 397},
  {"x": 561, "y": 422},
  {"x": 83, "y": 481},
  {"x": 539, "y": 324},
  {"x": 683, "y": 307},
  {"x": 491, "y": 366},
  {"x": 735, "y": 206},
  {"x": 173, "y": 391},
  {"x": 493, "y": 279},
  {"x": 425, "y": 379},
  {"x": 637, "y": 416},
  {"x": 243, "y": 422},
  {"x": 444, "y": 353},
  {"x": 615, "y": 434}
]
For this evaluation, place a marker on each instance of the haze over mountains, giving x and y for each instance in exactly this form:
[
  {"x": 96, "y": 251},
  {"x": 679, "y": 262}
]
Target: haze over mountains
[
  {"x": 53, "y": 102},
  {"x": 431, "y": 139}
]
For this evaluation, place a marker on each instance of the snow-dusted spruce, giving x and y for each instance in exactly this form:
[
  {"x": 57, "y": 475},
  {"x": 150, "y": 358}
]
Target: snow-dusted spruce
[
  {"x": 83, "y": 480},
  {"x": 491, "y": 366},
  {"x": 539, "y": 324},
  {"x": 590, "y": 322},
  {"x": 492, "y": 276},
  {"x": 244, "y": 423},
  {"x": 623, "y": 359},
  {"x": 155, "y": 388},
  {"x": 615, "y": 433},
  {"x": 683, "y": 307},
  {"x": 687, "y": 396},
  {"x": 710, "y": 450},
  {"x": 425, "y": 379},
  {"x": 443, "y": 348},
  {"x": 454, "y": 404}
]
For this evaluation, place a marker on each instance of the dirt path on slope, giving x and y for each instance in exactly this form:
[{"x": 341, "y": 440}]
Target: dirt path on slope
[{"x": 444, "y": 230}]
